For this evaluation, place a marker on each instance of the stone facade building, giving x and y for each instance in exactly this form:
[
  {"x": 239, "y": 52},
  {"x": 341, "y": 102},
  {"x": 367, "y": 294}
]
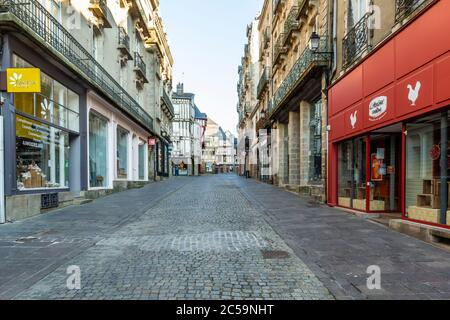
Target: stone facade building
[
  {"x": 291, "y": 95},
  {"x": 248, "y": 102},
  {"x": 101, "y": 122}
]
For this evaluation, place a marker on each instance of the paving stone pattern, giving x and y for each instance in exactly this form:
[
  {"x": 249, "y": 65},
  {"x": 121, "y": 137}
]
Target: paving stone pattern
[{"x": 204, "y": 241}]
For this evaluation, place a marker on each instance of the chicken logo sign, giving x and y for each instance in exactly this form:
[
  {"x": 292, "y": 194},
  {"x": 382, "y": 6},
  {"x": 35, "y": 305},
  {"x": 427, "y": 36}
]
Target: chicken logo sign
[
  {"x": 354, "y": 119},
  {"x": 378, "y": 108},
  {"x": 414, "y": 93}
]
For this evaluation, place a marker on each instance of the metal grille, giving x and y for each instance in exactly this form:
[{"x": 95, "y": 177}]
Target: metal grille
[
  {"x": 356, "y": 41},
  {"x": 50, "y": 200},
  {"x": 404, "y": 8},
  {"x": 307, "y": 58}
]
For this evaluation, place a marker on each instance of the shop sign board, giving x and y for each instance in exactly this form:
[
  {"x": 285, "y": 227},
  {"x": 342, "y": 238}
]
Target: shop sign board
[{"x": 23, "y": 80}]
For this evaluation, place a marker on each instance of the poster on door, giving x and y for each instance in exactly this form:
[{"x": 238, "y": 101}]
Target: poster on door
[{"x": 378, "y": 168}]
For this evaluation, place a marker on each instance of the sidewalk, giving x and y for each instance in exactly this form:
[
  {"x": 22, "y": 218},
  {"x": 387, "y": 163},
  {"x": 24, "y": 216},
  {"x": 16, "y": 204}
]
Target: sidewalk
[
  {"x": 338, "y": 247},
  {"x": 32, "y": 248}
]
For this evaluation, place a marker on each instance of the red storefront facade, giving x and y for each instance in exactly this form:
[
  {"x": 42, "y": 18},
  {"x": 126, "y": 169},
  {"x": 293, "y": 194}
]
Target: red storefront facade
[{"x": 388, "y": 118}]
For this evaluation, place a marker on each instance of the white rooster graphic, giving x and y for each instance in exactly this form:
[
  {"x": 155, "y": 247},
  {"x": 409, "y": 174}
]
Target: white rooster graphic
[
  {"x": 353, "y": 119},
  {"x": 414, "y": 93}
]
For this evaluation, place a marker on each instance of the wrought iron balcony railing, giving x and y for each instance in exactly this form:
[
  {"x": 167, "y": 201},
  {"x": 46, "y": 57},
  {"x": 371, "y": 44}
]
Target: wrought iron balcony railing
[
  {"x": 263, "y": 82},
  {"x": 307, "y": 59},
  {"x": 266, "y": 37},
  {"x": 280, "y": 49},
  {"x": 404, "y": 8},
  {"x": 167, "y": 105},
  {"x": 34, "y": 19},
  {"x": 356, "y": 41},
  {"x": 292, "y": 23},
  {"x": 276, "y": 5},
  {"x": 124, "y": 41},
  {"x": 139, "y": 65}
]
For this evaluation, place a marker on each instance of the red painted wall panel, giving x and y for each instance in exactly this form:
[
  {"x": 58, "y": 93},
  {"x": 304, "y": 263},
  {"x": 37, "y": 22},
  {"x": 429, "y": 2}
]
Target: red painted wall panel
[
  {"x": 347, "y": 91},
  {"x": 424, "y": 40},
  {"x": 379, "y": 69},
  {"x": 442, "y": 78}
]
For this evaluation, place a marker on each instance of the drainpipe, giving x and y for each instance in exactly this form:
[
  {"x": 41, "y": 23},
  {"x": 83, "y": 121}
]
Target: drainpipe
[{"x": 2, "y": 172}]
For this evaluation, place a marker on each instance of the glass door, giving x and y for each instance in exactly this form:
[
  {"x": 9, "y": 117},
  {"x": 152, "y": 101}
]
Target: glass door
[{"x": 384, "y": 173}]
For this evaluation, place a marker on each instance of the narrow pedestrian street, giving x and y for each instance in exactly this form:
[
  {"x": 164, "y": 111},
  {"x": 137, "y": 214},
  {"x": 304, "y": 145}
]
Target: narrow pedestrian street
[{"x": 213, "y": 237}]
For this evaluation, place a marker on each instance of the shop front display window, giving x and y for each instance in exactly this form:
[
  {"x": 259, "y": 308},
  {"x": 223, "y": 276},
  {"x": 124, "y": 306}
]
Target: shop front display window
[
  {"x": 42, "y": 155},
  {"x": 55, "y": 103},
  {"x": 424, "y": 149},
  {"x": 141, "y": 150},
  {"x": 352, "y": 174},
  {"x": 122, "y": 153},
  {"x": 98, "y": 151}
]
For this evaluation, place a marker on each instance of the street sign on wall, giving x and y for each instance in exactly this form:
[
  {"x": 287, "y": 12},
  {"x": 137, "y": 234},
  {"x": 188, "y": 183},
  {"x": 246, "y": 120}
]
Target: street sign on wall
[{"x": 23, "y": 80}]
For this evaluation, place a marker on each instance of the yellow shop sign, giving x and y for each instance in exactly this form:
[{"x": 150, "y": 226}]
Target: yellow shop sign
[{"x": 23, "y": 79}]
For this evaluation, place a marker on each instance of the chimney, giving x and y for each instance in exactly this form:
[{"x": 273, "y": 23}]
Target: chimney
[{"x": 180, "y": 88}]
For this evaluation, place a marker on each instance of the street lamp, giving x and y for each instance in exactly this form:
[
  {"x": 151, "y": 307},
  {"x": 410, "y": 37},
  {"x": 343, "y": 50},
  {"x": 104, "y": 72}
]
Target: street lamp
[{"x": 314, "y": 41}]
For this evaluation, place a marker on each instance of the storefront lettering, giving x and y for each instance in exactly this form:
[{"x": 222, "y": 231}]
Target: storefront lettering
[{"x": 378, "y": 108}]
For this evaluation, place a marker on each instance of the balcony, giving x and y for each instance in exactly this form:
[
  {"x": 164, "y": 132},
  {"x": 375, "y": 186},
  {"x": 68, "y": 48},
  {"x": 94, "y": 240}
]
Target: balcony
[
  {"x": 124, "y": 43},
  {"x": 277, "y": 5},
  {"x": 266, "y": 38},
  {"x": 292, "y": 24},
  {"x": 100, "y": 10},
  {"x": 140, "y": 67},
  {"x": 308, "y": 60},
  {"x": 356, "y": 41},
  {"x": 35, "y": 21},
  {"x": 280, "y": 49},
  {"x": 405, "y": 8},
  {"x": 166, "y": 105},
  {"x": 263, "y": 82}
]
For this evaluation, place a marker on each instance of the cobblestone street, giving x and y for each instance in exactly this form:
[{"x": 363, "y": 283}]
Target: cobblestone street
[{"x": 212, "y": 237}]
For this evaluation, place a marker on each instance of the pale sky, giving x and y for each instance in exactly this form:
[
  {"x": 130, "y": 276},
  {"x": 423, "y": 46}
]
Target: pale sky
[{"x": 207, "y": 40}]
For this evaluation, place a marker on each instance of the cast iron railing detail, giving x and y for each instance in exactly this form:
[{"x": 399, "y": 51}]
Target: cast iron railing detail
[
  {"x": 404, "y": 8},
  {"x": 139, "y": 65},
  {"x": 168, "y": 104},
  {"x": 32, "y": 15},
  {"x": 280, "y": 49},
  {"x": 292, "y": 23},
  {"x": 356, "y": 41},
  {"x": 306, "y": 60},
  {"x": 124, "y": 40},
  {"x": 263, "y": 81}
]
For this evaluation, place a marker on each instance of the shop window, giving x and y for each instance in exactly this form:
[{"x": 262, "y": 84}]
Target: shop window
[
  {"x": 42, "y": 153},
  {"x": 98, "y": 151},
  {"x": 424, "y": 149},
  {"x": 122, "y": 153},
  {"x": 55, "y": 103},
  {"x": 141, "y": 150},
  {"x": 352, "y": 174},
  {"x": 315, "y": 158}
]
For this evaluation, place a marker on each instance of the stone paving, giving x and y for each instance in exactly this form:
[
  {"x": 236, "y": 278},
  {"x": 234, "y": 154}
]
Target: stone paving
[
  {"x": 203, "y": 241},
  {"x": 214, "y": 237}
]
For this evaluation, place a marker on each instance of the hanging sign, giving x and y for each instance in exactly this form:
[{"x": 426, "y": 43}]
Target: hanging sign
[
  {"x": 151, "y": 141},
  {"x": 23, "y": 80}
]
